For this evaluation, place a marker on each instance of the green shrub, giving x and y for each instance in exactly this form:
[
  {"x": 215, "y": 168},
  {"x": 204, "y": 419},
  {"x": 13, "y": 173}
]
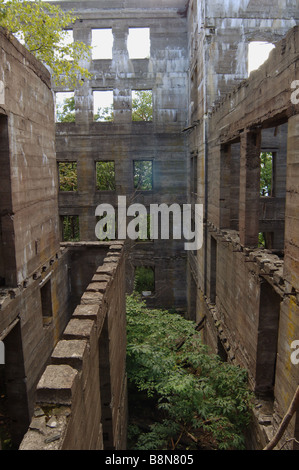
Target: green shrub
[{"x": 196, "y": 393}]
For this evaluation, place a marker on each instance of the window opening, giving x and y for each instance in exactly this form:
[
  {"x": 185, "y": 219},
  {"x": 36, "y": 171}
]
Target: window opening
[
  {"x": 143, "y": 175},
  {"x": 46, "y": 299},
  {"x": 267, "y": 174},
  {"x": 103, "y": 106},
  {"x": 70, "y": 228},
  {"x": 258, "y": 53},
  {"x": 105, "y": 176},
  {"x": 144, "y": 280},
  {"x": 68, "y": 178},
  {"x": 65, "y": 106},
  {"x": 142, "y": 105},
  {"x": 101, "y": 43},
  {"x": 139, "y": 43}
]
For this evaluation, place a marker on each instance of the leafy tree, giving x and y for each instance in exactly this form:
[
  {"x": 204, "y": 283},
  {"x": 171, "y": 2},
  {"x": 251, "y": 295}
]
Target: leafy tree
[
  {"x": 66, "y": 113},
  {"x": 68, "y": 176},
  {"x": 198, "y": 397},
  {"x": 143, "y": 175},
  {"x": 144, "y": 279},
  {"x": 70, "y": 228},
  {"x": 42, "y": 28},
  {"x": 142, "y": 107},
  {"x": 104, "y": 114},
  {"x": 105, "y": 176}
]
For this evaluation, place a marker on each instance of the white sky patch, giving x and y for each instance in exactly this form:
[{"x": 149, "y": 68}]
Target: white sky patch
[
  {"x": 258, "y": 53},
  {"x": 139, "y": 43},
  {"x": 102, "y": 43},
  {"x": 60, "y": 98},
  {"x": 102, "y": 99}
]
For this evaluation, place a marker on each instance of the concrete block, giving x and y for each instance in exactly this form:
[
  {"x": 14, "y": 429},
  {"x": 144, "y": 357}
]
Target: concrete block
[{"x": 57, "y": 385}]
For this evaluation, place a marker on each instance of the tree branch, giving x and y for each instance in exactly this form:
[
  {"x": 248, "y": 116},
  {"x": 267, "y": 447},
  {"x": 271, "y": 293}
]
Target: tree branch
[{"x": 294, "y": 406}]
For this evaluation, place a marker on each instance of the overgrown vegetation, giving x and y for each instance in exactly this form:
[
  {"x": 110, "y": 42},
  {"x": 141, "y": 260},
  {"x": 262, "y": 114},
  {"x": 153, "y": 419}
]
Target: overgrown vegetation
[
  {"x": 185, "y": 397},
  {"x": 144, "y": 279},
  {"x": 66, "y": 112},
  {"x": 70, "y": 228},
  {"x": 142, "y": 106},
  {"x": 68, "y": 176}
]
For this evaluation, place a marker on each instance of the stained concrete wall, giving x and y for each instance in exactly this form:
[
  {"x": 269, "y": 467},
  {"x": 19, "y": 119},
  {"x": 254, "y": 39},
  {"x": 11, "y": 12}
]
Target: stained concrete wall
[
  {"x": 123, "y": 141},
  {"x": 248, "y": 294},
  {"x": 29, "y": 213},
  {"x": 81, "y": 397},
  {"x": 42, "y": 281},
  {"x": 30, "y": 250}
]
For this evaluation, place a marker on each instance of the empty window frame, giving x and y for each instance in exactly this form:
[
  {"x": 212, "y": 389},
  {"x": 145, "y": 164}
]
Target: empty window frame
[
  {"x": 142, "y": 105},
  {"x": 68, "y": 177},
  {"x": 139, "y": 43},
  {"x": 70, "y": 228},
  {"x": 65, "y": 106},
  {"x": 267, "y": 174},
  {"x": 103, "y": 106},
  {"x": 143, "y": 175},
  {"x": 258, "y": 53},
  {"x": 144, "y": 281},
  {"x": 105, "y": 176},
  {"x": 266, "y": 240},
  {"x": 102, "y": 43},
  {"x": 46, "y": 300}
]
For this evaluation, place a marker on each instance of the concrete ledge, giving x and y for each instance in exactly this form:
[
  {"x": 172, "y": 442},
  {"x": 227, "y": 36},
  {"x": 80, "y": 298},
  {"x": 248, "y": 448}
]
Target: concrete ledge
[
  {"x": 57, "y": 385},
  {"x": 89, "y": 298},
  {"x": 70, "y": 352},
  {"x": 78, "y": 329},
  {"x": 87, "y": 312}
]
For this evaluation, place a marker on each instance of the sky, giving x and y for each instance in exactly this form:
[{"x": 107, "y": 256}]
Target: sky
[{"x": 258, "y": 53}]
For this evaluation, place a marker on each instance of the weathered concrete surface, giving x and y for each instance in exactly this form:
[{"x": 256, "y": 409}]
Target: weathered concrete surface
[
  {"x": 81, "y": 397},
  {"x": 123, "y": 141},
  {"x": 29, "y": 213},
  {"x": 30, "y": 255},
  {"x": 204, "y": 141},
  {"x": 248, "y": 294}
]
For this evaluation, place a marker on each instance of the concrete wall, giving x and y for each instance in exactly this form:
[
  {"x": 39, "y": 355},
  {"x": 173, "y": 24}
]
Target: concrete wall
[
  {"x": 209, "y": 126},
  {"x": 34, "y": 296},
  {"x": 81, "y": 397},
  {"x": 42, "y": 281},
  {"x": 29, "y": 213},
  {"x": 123, "y": 141},
  {"x": 247, "y": 293}
]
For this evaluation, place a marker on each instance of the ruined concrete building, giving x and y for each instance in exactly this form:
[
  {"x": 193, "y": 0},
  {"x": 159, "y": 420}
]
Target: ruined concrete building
[{"x": 62, "y": 311}]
